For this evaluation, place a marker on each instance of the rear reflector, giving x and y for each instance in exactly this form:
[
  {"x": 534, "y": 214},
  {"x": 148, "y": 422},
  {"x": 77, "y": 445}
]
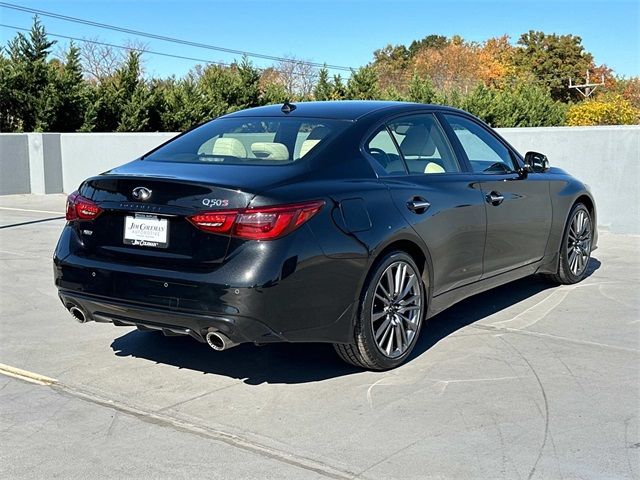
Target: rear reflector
[
  {"x": 80, "y": 208},
  {"x": 261, "y": 223}
]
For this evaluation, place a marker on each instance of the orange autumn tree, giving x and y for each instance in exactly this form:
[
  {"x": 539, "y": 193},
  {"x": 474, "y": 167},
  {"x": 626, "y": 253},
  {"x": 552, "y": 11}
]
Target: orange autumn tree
[
  {"x": 496, "y": 61},
  {"x": 630, "y": 90},
  {"x": 461, "y": 64},
  {"x": 453, "y": 66}
]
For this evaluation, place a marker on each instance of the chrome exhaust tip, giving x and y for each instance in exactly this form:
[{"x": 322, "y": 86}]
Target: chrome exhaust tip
[
  {"x": 78, "y": 314},
  {"x": 219, "y": 341}
]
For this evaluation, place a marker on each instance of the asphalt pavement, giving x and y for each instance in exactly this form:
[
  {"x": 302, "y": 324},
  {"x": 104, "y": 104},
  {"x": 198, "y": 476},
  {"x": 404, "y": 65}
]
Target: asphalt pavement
[{"x": 529, "y": 380}]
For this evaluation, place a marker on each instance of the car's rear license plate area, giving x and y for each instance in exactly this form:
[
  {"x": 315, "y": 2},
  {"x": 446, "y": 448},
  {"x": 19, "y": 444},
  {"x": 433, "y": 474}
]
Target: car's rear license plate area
[{"x": 146, "y": 231}]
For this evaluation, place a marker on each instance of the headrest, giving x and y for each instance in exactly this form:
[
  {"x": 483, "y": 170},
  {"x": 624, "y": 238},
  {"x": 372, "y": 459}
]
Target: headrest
[
  {"x": 318, "y": 133},
  {"x": 230, "y": 147},
  {"x": 433, "y": 167},
  {"x": 418, "y": 142},
  {"x": 306, "y": 146},
  {"x": 315, "y": 137},
  {"x": 270, "y": 151}
]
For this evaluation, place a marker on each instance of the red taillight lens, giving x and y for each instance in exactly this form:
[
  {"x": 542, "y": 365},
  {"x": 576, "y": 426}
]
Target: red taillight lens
[
  {"x": 80, "y": 208},
  {"x": 214, "y": 222},
  {"x": 262, "y": 223}
]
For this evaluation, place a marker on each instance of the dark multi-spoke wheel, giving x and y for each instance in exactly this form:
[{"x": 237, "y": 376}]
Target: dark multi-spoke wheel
[
  {"x": 576, "y": 247},
  {"x": 390, "y": 317},
  {"x": 579, "y": 242},
  {"x": 396, "y": 309}
]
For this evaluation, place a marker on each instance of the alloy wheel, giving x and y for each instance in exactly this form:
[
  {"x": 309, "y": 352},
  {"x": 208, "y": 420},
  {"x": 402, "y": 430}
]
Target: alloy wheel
[
  {"x": 579, "y": 242},
  {"x": 396, "y": 311}
]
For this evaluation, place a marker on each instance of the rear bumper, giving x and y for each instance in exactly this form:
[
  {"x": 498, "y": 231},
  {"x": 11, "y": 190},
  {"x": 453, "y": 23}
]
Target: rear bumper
[
  {"x": 109, "y": 310},
  {"x": 286, "y": 290}
]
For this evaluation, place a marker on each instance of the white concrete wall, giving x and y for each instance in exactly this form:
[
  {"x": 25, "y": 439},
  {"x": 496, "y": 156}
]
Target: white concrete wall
[
  {"x": 14, "y": 163},
  {"x": 606, "y": 158},
  {"x": 88, "y": 154}
]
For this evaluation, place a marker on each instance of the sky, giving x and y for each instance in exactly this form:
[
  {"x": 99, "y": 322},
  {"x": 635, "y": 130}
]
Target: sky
[{"x": 339, "y": 32}]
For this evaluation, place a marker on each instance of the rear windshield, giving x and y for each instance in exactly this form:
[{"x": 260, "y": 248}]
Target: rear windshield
[{"x": 250, "y": 141}]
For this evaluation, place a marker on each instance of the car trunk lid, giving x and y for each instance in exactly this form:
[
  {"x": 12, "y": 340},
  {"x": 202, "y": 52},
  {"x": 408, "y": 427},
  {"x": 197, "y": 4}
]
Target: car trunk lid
[{"x": 162, "y": 195}]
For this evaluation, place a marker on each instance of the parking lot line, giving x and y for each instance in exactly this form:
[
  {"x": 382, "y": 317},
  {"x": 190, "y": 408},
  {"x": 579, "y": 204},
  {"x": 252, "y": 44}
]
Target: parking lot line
[
  {"x": 31, "y": 222},
  {"x": 204, "y": 431},
  {"x": 554, "y": 337},
  {"x": 30, "y": 210},
  {"x": 25, "y": 375},
  {"x": 156, "y": 417}
]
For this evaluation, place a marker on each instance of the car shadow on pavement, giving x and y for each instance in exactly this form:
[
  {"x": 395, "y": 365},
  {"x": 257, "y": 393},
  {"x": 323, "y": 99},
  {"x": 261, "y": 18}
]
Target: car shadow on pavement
[
  {"x": 483, "y": 305},
  {"x": 312, "y": 362}
]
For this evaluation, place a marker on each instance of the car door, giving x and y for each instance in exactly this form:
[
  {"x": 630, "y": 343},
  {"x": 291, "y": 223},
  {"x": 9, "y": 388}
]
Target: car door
[
  {"x": 518, "y": 205},
  {"x": 434, "y": 194}
]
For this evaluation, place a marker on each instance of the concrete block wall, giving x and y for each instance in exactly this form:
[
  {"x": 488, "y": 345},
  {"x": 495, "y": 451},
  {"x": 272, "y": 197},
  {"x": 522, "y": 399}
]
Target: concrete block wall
[{"x": 606, "y": 158}]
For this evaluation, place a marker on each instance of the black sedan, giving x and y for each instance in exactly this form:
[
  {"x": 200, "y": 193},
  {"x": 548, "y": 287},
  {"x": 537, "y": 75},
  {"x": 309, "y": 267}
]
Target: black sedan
[{"x": 344, "y": 222}]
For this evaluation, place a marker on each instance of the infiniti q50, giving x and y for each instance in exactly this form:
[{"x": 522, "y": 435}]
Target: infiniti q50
[{"x": 350, "y": 223}]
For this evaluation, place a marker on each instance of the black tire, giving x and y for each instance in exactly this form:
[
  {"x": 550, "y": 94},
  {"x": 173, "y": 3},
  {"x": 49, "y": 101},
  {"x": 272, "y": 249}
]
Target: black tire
[
  {"x": 565, "y": 274},
  {"x": 365, "y": 352}
]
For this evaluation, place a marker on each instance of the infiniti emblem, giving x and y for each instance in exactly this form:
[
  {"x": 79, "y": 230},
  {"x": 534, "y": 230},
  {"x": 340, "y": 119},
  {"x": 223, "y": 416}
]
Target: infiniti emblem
[{"x": 141, "y": 193}]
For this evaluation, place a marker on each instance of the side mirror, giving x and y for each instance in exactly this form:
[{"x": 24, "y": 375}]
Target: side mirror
[{"x": 536, "y": 162}]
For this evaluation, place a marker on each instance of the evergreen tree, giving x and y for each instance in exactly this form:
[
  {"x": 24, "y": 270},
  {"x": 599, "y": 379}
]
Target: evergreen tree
[
  {"x": 121, "y": 103},
  {"x": 323, "y": 89},
  {"x": 134, "y": 96},
  {"x": 338, "y": 90},
  {"x": 249, "y": 84},
  {"x": 27, "y": 78},
  {"x": 36, "y": 47},
  {"x": 421, "y": 90},
  {"x": 393, "y": 94},
  {"x": 69, "y": 100},
  {"x": 481, "y": 102},
  {"x": 11, "y": 93},
  {"x": 363, "y": 84},
  {"x": 274, "y": 92},
  {"x": 182, "y": 104},
  {"x": 528, "y": 105}
]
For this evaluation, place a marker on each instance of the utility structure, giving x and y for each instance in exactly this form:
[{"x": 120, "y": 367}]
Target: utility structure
[{"x": 587, "y": 88}]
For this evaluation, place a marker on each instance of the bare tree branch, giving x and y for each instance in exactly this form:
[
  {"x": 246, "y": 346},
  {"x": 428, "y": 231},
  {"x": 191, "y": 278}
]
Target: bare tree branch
[
  {"x": 102, "y": 61},
  {"x": 297, "y": 76}
]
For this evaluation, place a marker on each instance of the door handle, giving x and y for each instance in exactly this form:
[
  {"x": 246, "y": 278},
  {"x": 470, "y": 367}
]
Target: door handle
[
  {"x": 495, "y": 198},
  {"x": 418, "y": 205}
]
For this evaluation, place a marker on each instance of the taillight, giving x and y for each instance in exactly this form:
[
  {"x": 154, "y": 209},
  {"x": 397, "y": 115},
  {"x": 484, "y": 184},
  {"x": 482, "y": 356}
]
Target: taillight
[
  {"x": 80, "y": 208},
  {"x": 261, "y": 223},
  {"x": 214, "y": 222}
]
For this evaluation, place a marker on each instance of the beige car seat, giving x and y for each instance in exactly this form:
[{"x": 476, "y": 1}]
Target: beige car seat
[
  {"x": 229, "y": 147},
  {"x": 270, "y": 151},
  {"x": 418, "y": 144},
  {"x": 433, "y": 167},
  {"x": 315, "y": 137}
]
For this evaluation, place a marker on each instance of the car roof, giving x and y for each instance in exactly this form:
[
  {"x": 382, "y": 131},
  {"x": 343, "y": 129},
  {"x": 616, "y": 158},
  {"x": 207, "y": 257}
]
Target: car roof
[{"x": 339, "y": 110}]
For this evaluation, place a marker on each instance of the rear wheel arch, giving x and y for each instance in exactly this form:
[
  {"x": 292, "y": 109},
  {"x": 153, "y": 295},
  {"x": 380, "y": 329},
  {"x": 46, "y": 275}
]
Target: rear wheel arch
[
  {"x": 422, "y": 259},
  {"x": 420, "y": 255},
  {"x": 364, "y": 351}
]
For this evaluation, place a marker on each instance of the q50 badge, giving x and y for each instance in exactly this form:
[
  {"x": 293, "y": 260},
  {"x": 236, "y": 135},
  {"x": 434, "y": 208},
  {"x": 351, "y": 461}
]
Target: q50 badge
[{"x": 215, "y": 202}]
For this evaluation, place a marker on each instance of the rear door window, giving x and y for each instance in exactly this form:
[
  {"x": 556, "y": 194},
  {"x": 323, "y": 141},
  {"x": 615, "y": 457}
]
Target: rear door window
[
  {"x": 423, "y": 145},
  {"x": 383, "y": 150}
]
